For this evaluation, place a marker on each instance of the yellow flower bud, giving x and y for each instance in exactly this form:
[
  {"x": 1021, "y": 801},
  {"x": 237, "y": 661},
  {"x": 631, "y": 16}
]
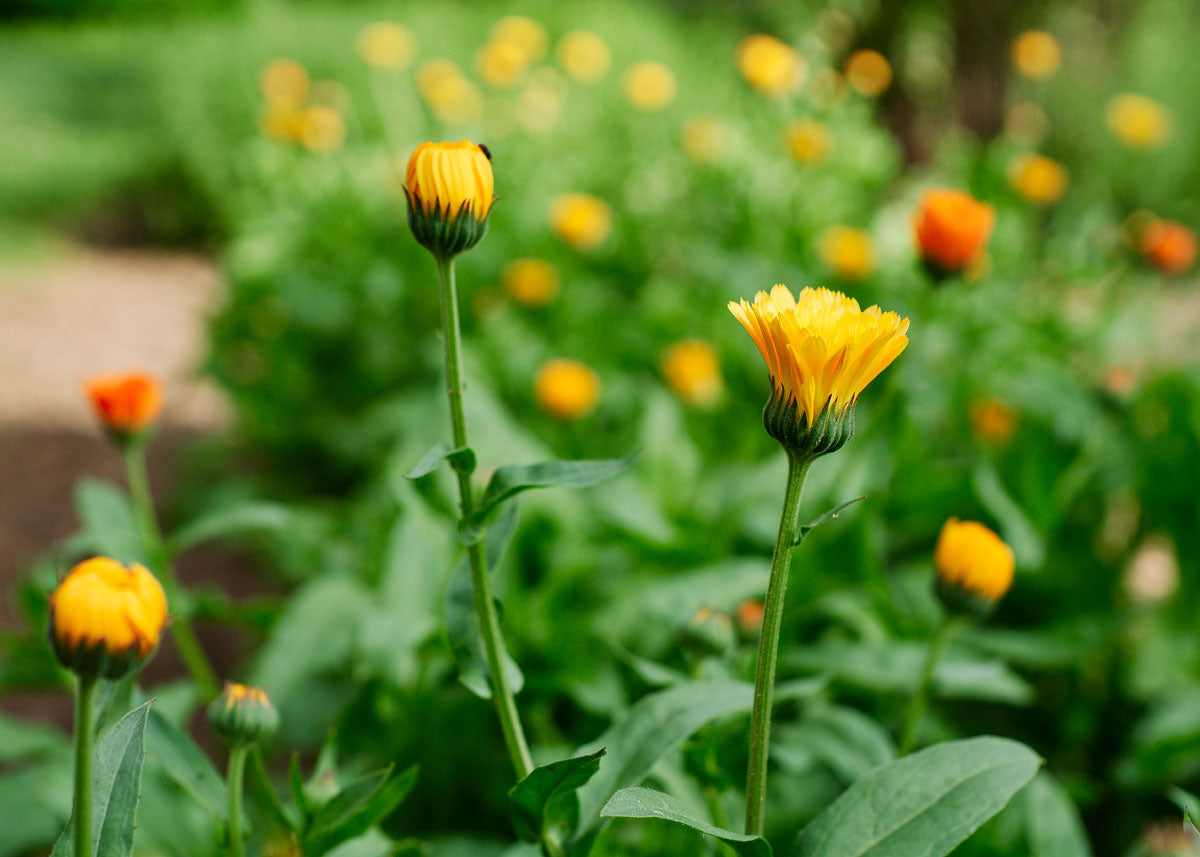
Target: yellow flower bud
[
  {"x": 566, "y": 388},
  {"x": 1036, "y": 54},
  {"x": 692, "y": 370},
  {"x": 106, "y": 618},
  {"x": 533, "y": 282},
  {"x": 974, "y": 567},
  {"x": 584, "y": 56},
  {"x": 848, "y": 252},
  {"x": 1138, "y": 122},
  {"x": 868, "y": 72},
  {"x": 243, "y": 715},
  {"x": 582, "y": 220},
  {"x": 449, "y": 188},
  {"x": 649, "y": 85},
  {"x": 770, "y": 66}
]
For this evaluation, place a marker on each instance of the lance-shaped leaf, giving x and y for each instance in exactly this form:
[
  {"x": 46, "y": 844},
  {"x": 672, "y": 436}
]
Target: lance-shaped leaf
[
  {"x": 546, "y": 797},
  {"x": 637, "y": 802},
  {"x": 460, "y": 457},
  {"x": 511, "y": 480},
  {"x": 356, "y": 809},
  {"x": 923, "y": 805},
  {"x": 186, "y": 765},
  {"x": 802, "y": 533}
]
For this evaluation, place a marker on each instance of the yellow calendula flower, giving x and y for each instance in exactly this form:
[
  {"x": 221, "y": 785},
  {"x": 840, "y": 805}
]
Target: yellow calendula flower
[
  {"x": 284, "y": 82},
  {"x": 649, "y": 85},
  {"x": 704, "y": 139},
  {"x": 501, "y": 64},
  {"x": 243, "y": 715},
  {"x": 533, "y": 282},
  {"x": 868, "y": 72},
  {"x": 566, "y": 388},
  {"x": 582, "y": 220},
  {"x": 1039, "y": 179},
  {"x": 808, "y": 141},
  {"x": 584, "y": 55},
  {"x": 821, "y": 350},
  {"x": 386, "y": 45},
  {"x": 321, "y": 128},
  {"x": 847, "y": 251},
  {"x": 450, "y": 189},
  {"x": 525, "y": 33},
  {"x": 1036, "y": 54},
  {"x": 452, "y": 96},
  {"x": 105, "y": 617},
  {"x": 770, "y": 66},
  {"x": 1138, "y": 122},
  {"x": 974, "y": 567},
  {"x": 693, "y": 372},
  {"x": 993, "y": 421}
]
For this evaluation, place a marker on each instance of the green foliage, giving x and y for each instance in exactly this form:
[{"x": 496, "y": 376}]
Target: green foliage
[
  {"x": 544, "y": 802},
  {"x": 637, "y": 802}
]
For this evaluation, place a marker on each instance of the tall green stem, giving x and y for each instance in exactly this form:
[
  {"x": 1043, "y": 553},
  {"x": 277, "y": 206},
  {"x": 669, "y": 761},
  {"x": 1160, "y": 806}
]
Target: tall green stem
[
  {"x": 920, "y": 699},
  {"x": 84, "y": 703},
  {"x": 485, "y": 604},
  {"x": 768, "y": 646},
  {"x": 160, "y": 560},
  {"x": 236, "y": 774}
]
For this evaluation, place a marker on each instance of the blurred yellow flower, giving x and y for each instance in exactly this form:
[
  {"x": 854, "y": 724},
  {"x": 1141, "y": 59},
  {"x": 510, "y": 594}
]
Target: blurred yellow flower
[
  {"x": 584, "y": 55},
  {"x": 582, "y": 220},
  {"x": 540, "y": 101},
  {"x": 770, "y": 66},
  {"x": 284, "y": 82},
  {"x": 501, "y": 64},
  {"x": 693, "y": 372},
  {"x": 533, "y": 282},
  {"x": 868, "y": 72},
  {"x": 993, "y": 421},
  {"x": 525, "y": 33},
  {"x": 331, "y": 94},
  {"x": 820, "y": 348},
  {"x": 1039, "y": 179},
  {"x": 973, "y": 561},
  {"x": 1036, "y": 54},
  {"x": 848, "y": 252},
  {"x": 649, "y": 85},
  {"x": 280, "y": 122},
  {"x": 808, "y": 141},
  {"x": 321, "y": 128},
  {"x": 1138, "y": 122},
  {"x": 386, "y": 45},
  {"x": 452, "y": 96},
  {"x": 566, "y": 388},
  {"x": 704, "y": 139}
]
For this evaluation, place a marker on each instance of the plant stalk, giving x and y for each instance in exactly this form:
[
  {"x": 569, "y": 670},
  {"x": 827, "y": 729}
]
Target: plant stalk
[
  {"x": 920, "y": 700},
  {"x": 236, "y": 775},
  {"x": 481, "y": 583},
  {"x": 768, "y": 646},
  {"x": 84, "y": 705},
  {"x": 160, "y": 560}
]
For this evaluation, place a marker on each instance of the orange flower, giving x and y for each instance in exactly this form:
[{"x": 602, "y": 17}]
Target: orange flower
[
  {"x": 994, "y": 421},
  {"x": 952, "y": 228},
  {"x": 566, "y": 388},
  {"x": 126, "y": 403},
  {"x": 1169, "y": 246},
  {"x": 974, "y": 566}
]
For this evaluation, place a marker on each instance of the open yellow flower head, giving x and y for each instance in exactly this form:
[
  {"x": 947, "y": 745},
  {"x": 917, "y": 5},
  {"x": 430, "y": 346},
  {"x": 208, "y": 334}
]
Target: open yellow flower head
[
  {"x": 584, "y": 55},
  {"x": 580, "y": 219},
  {"x": 533, "y": 282},
  {"x": 449, "y": 188},
  {"x": 974, "y": 567},
  {"x": 243, "y": 715},
  {"x": 821, "y": 350},
  {"x": 692, "y": 370},
  {"x": 566, "y": 388},
  {"x": 1036, "y": 54},
  {"x": 649, "y": 85},
  {"x": 770, "y": 66},
  {"x": 106, "y": 618},
  {"x": 1039, "y": 179},
  {"x": 1138, "y": 122}
]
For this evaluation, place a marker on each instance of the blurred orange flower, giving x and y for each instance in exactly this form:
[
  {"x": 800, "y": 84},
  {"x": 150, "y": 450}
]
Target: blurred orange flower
[
  {"x": 1169, "y": 246},
  {"x": 952, "y": 228},
  {"x": 994, "y": 421},
  {"x": 125, "y": 402},
  {"x": 868, "y": 72},
  {"x": 1036, "y": 54},
  {"x": 566, "y": 388}
]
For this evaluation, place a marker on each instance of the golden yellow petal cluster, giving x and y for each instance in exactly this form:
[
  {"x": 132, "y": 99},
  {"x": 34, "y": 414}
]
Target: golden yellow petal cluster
[
  {"x": 448, "y": 177},
  {"x": 972, "y": 558},
  {"x": 820, "y": 348},
  {"x": 102, "y": 603}
]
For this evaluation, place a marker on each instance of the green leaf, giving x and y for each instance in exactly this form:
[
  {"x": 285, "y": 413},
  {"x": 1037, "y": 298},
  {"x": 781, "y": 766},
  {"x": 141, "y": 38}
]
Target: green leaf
[
  {"x": 805, "y": 529},
  {"x": 637, "y": 802},
  {"x": 20, "y": 739},
  {"x": 654, "y": 726},
  {"x": 185, "y": 764},
  {"x": 1053, "y": 823},
  {"x": 296, "y": 784},
  {"x": 847, "y": 741},
  {"x": 548, "y": 793},
  {"x": 923, "y": 805},
  {"x": 237, "y": 519},
  {"x": 108, "y": 526},
  {"x": 460, "y": 457},
  {"x": 512, "y": 479},
  {"x": 356, "y": 809},
  {"x": 462, "y": 626},
  {"x": 116, "y": 787}
]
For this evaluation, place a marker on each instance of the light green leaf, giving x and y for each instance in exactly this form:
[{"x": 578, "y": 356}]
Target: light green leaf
[
  {"x": 237, "y": 519},
  {"x": 512, "y": 479},
  {"x": 805, "y": 529},
  {"x": 356, "y": 809},
  {"x": 847, "y": 741},
  {"x": 923, "y": 805},
  {"x": 20, "y": 738},
  {"x": 546, "y": 797},
  {"x": 108, "y": 526},
  {"x": 460, "y": 457},
  {"x": 1053, "y": 823},
  {"x": 116, "y": 787},
  {"x": 637, "y": 802},
  {"x": 186, "y": 765}
]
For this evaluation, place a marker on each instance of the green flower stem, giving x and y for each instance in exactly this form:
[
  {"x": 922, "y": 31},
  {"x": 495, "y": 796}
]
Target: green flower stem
[
  {"x": 236, "y": 773},
  {"x": 485, "y": 603},
  {"x": 768, "y": 646},
  {"x": 920, "y": 699},
  {"x": 84, "y": 704},
  {"x": 160, "y": 561}
]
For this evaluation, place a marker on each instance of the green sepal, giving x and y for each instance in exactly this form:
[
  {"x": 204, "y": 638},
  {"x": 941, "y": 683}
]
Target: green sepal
[
  {"x": 442, "y": 235},
  {"x": 243, "y": 722},
  {"x": 829, "y": 432},
  {"x": 94, "y": 661},
  {"x": 960, "y": 601}
]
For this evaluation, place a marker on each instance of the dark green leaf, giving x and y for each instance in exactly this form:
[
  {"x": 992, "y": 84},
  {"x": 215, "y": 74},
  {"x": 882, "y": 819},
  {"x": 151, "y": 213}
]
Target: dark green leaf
[
  {"x": 1055, "y": 829},
  {"x": 356, "y": 809},
  {"x": 923, "y": 805},
  {"x": 254, "y": 516},
  {"x": 460, "y": 457},
  {"x": 804, "y": 530},
  {"x": 512, "y": 479},
  {"x": 108, "y": 525},
  {"x": 530, "y": 800},
  {"x": 637, "y": 802},
  {"x": 186, "y": 765}
]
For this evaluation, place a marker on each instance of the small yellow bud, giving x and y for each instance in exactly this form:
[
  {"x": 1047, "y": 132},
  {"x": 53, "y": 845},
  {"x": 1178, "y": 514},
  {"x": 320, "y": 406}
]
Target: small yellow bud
[
  {"x": 449, "y": 188},
  {"x": 243, "y": 715},
  {"x": 974, "y": 567},
  {"x": 582, "y": 220}
]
